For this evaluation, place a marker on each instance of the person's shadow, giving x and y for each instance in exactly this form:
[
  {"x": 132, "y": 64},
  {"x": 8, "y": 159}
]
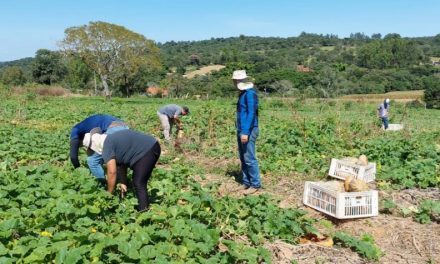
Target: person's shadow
[{"x": 236, "y": 173}]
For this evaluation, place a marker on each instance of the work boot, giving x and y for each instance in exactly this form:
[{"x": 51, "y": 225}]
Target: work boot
[{"x": 250, "y": 191}]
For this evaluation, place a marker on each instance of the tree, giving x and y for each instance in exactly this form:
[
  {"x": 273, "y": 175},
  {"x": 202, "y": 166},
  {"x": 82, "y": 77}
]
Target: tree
[
  {"x": 175, "y": 84},
  {"x": 112, "y": 51},
  {"x": 376, "y": 36},
  {"x": 47, "y": 67},
  {"x": 432, "y": 92},
  {"x": 78, "y": 73},
  {"x": 194, "y": 59},
  {"x": 283, "y": 87},
  {"x": 437, "y": 39},
  {"x": 391, "y": 52},
  {"x": 13, "y": 75},
  {"x": 327, "y": 80},
  {"x": 392, "y": 36}
]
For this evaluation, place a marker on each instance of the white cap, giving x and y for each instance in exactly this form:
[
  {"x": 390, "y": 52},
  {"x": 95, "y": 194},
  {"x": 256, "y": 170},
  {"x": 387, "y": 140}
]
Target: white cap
[
  {"x": 239, "y": 75},
  {"x": 387, "y": 100},
  {"x": 96, "y": 143}
]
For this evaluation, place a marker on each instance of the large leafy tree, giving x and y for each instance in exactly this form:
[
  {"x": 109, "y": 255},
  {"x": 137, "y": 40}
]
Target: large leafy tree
[
  {"x": 112, "y": 51},
  {"x": 47, "y": 67}
]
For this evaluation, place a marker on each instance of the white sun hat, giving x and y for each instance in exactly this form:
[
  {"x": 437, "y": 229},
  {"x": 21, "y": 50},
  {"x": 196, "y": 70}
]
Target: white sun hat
[
  {"x": 94, "y": 141},
  {"x": 239, "y": 75}
]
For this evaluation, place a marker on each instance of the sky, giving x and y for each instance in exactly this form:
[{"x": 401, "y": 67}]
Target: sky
[{"x": 29, "y": 25}]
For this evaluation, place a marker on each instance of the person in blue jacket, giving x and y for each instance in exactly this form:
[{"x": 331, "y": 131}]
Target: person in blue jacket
[
  {"x": 107, "y": 124},
  {"x": 247, "y": 131}
]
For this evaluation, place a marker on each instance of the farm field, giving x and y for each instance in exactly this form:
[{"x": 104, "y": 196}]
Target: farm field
[
  {"x": 400, "y": 96},
  {"x": 52, "y": 213}
]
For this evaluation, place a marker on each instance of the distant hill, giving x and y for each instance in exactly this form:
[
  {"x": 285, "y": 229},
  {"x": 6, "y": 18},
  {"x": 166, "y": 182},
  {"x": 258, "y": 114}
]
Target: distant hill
[
  {"x": 25, "y": 62},
  {"x": 310, "y": 65}
]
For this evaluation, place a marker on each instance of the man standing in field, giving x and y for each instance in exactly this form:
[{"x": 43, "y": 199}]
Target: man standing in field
[
  {"x": 107, "y": 124},
  {"x": 169, "y": 115},
  {"x": 127, "y": 149},
  {"x": 247, "y": 131},
  {"x": 382, "y": 112}
]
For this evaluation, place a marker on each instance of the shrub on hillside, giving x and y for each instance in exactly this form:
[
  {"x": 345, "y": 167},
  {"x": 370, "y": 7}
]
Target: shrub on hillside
[
  {"x": 432, "y": 92},
  {"x": 415, "y": 104}
]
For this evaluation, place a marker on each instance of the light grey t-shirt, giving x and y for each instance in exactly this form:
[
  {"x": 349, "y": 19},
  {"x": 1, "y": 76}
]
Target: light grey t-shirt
[
  {"x": 171, "y": 110},
  {"x": 127, "y": 147},
  {"x": 383, "y": 112}
]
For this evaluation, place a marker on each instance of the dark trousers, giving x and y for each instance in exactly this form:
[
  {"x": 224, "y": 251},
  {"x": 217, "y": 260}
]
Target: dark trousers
[{"x": 141, "y": 174}]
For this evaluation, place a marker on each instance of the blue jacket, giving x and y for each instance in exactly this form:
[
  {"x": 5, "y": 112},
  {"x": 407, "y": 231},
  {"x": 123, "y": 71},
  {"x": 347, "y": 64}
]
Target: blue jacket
[
  {"x": 83, "y": 127},
  {"x": 247, "y": 111}
]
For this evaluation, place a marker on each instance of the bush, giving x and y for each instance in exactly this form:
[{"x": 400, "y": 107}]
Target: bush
[
  {"x": 348, "y": 105},
  {"x": 13, "y": 75},
  {"x": 432, "y": 92},
  {"x": 415, "y": 104},
  {"x": 30, "y": 96},
  {"x": 18, "y": 90},
  {"x": 40, "y": 90},
  {"x": 4, "y": 87},
  {"x": 51, "y": 91}
]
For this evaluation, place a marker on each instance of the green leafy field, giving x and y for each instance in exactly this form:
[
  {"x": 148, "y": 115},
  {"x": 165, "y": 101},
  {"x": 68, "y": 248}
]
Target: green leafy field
[{"x": 50, "y": 212}]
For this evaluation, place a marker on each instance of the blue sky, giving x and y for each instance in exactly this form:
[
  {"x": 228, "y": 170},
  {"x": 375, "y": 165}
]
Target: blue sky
[{"x": 28, "y": 25}]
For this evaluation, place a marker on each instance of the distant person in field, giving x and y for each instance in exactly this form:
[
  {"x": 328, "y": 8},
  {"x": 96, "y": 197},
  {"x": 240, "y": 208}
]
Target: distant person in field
[
  {"x": 383, "y": 111},
  {"x": 107, "y": 124},
  {"x": 247, "y": 131},
  {"x": 127, "y": 149},
  {"x": 170, "y": 114}
]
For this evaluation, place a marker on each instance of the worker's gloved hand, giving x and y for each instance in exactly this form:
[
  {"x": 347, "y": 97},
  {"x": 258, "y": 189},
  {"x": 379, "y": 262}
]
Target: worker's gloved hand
[{"x": 101, "y": 183}]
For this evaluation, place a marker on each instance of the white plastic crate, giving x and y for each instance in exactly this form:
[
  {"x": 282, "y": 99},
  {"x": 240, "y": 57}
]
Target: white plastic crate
[
  {"x": 342, "y": 169},
  {"x": 341, "y": 205},
  {"x": 394, "y": 127}
]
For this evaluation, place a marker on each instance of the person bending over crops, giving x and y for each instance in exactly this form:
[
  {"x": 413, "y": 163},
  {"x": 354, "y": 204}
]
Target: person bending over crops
[
  {"x": 127, "y": 149},
  {"x": 168, "y": 115},
  {"x": 382, "y": 112},
  {"x": 107, "y": 124},
  {"x": 247, "y": 131}
]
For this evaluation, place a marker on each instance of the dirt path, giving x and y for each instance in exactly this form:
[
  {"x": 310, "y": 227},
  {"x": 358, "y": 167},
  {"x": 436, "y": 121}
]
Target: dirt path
[{"x": 401, "y": 239}]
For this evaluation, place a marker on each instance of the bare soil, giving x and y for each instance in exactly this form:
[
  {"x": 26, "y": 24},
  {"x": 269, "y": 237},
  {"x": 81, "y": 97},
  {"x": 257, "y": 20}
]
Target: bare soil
[
  {"x": 401, "y": 239},
  {"x": 204, "y": 70}
]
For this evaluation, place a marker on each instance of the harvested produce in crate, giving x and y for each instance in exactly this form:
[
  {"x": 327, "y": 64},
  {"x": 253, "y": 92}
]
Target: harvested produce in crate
[
  {"x": 355, "y": 185},
  {"x": 362, "y": 160}
]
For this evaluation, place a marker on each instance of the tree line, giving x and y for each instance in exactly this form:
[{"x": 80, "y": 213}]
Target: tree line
[{"x": 106, "y": 57}]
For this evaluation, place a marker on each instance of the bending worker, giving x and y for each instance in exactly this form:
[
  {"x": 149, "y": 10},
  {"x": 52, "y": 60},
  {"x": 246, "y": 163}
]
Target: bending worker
[
  {"x": 107, "y": 124},
  {"x": 127, "y": 149},
  {"x": 169, "y": 115}
]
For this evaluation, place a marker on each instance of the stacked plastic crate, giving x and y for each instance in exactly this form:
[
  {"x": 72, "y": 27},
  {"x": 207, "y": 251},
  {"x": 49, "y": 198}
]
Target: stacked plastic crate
[{"x": 333, "y": 201}]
